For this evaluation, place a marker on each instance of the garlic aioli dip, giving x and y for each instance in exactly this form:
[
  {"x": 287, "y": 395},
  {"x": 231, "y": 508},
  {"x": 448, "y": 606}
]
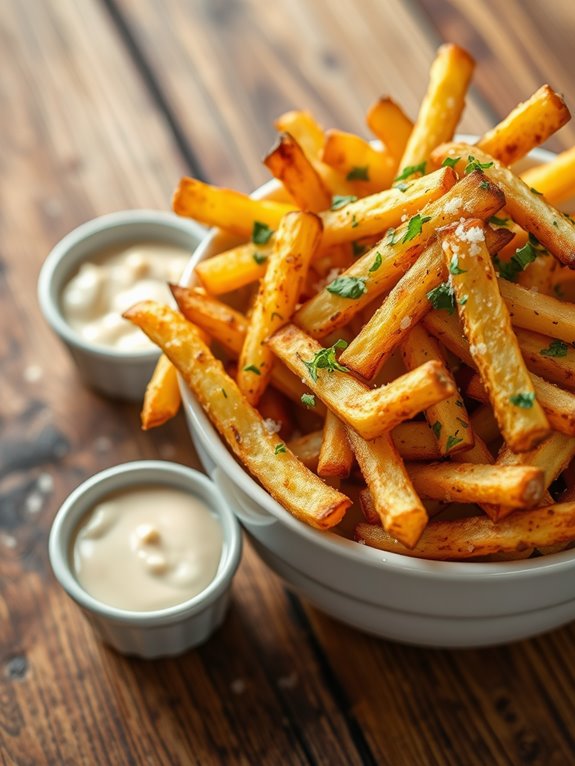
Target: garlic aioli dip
[
  {"x": 147, "y": 548},
  {"x": 93, "y": 300}
]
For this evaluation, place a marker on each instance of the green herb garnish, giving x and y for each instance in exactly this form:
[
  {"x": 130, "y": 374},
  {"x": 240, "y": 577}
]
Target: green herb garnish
[
  {"x": 358, "y": 249},
  {"x": 252, "y": 368},
  {"x": 523, "y": 400},
  {"x": 325, "y": 359},
  {"x": 359, "y": 173},
  {"x": 498, "y": 221},
  {"x": 281, "y": 447},
  {"x": 308, "y": 400},
  {"x": 454, "y": 266},
  {"x": 539, "y": 194},
  {"x": 452, "y": 441},
  {"x": 376, "y": 262},
  {"x": 338, "y": 201},
  {"x": 518, "y": 262},
  {"x": 436, "y": 428},
  {"x": 415, "y": 227},
  {"x": 450, "y": 162},
  {"x": 441, "y": 297},
  {"x": 557, "y": 348},
  {"x": 473, "y": 164},
  {"x": 261, "y": 233},
  {"x": 411, "y": 170},
  {"x": 348, "y": 287},
  {"x": 390, "y": 236},
  {"x": 259, "y": 258}
]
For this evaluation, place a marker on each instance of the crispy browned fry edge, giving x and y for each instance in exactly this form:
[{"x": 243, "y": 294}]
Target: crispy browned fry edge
[
  {"x": 520, "y": 486},
  {"x": 266, "y": 457},
  {"x": 336, "y": 455},
  {"x": 289, "y": 164},
  {"x": 555, "y": 179},
  {"x": 162, "y": 399},
  {"x": 234, "y": 268},
  {"x": 307, "y": 448},
  {"x": 478, "y": 536},
  {"x": 401, "y": 511}
]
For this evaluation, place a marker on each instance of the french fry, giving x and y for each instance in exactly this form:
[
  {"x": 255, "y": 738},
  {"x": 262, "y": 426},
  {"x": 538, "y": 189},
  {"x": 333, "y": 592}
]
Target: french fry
[
  {"x": 401, "y": 511},
  {"x": 448, "y": 419},
  {"x": 228, "y": 327},
  {"x": 415, "y": 441},
  {"x": 530, "y": 210},
  {"x": 478, "y": 536},
  {"x": 306, "y": 448},
  {"x": 230, "y": 210},
  {"x": 162, "y": 399},
  {"x": 520, "y": 486},
  {"x": 367, "y": 507},
  {"x": 297, "y": 238},
  {"x": 540, "y": 313},
  {"x": 479, "y": 453},
  {"x": 496, "y": 355},
  {"x": 558, "y": 405},
  {"x": 264, "y": 454},
  {"x": 555, "y": 179},
  {"x": 442, "y": 106},
  {"x": 366, "y": 168},
  {"x": 484, "y": 424},
  {"x": 289, "y": 164},
  {"x": 540, "y": 274},
  {"x": 275, "y": 411},
  {"x": 404, "y": 307},
  {"x": 381, "y": 268},
  {"x": 550, "y": 358},
  {"x": 234, "y": 268},
  {"x": 530, "y": 124},
  {"x": 336, "y": 456},
  {"x": 369, "y": 411},
  {"x": 390, "y": 125}
]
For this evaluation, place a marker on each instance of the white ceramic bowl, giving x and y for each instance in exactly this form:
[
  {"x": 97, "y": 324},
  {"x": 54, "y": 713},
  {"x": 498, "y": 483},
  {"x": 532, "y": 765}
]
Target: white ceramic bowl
[
  {"x": 448, "y": 604},
  {"x": 112, "y": 372},
  {"x": 164, "y": 632}
]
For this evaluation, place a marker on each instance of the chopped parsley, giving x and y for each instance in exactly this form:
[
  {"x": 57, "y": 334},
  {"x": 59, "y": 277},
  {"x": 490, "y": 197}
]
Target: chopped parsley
[
  {"x": 339, "y": 200},
  {"x": 484, "y": 185},
  {"x": 473, "y": 164},
  {"x": 454, "y": 266},
  {"x": 358, "y": 249},
  {"x": 523, "y": 400},
  {"x": 436, "y": 428},
  {"x": 354, "y": 222},
  {"x": 402, "y": 187},
  {"x": 410, "y": 170},
  {"x": 281, "y": 447},
  {"x": 498, "y": 221},
  {"x": 358, "y": 173},
  {"x": 325, "y": 359},
  {"x": 453, "y": 441},
  {"x": 376, "y": 262},
  {"x": 224, "y": 393},
  {"x": 259, "y": 258},
  {"x": 261, "y": 233},
  {"x": 450, "y": 162},
  {"x": 415, "y": 227},
  {"x": 308, "y": 400},
  {"x": 539, "y": 194},
  {"x": 441, "y": 297},
  {"x": 517, "y": 263},
  {"x": 464, "y": 423},
  {"x": 252, "y": 368},
  {"x": 463, "y": 300},
  {"x": 556, "y": 348},
  {"x": 348, "y": 287}
]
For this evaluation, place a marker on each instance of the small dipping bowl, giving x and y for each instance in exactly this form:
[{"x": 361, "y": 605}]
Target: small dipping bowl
[
  {"x": 113, "y": 372},
  {"x": 164, "y": 632}
]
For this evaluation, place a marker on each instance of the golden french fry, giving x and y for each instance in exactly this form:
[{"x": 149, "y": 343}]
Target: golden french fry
[
  {"x": 448, "y": 419},
  {"x": 404, "y": 307},
  {"x": 367, "y": 169},
  {"x": 479, "y": 453},
  {"x": 289, "y": 164},
  {"x": 297, "y": 239},
  {"x": 527, "y": 208},
  {"x": 530, "y": 124},
  {"x": 382, "y": 267},
  {"x": 367, "y": 507},
  {"x": 555, "y": 179},
  {"x": 540, "y": 313},
  {"x": 306, "y": 448},
  {"x": 401, "y": 511},
  {"x": 552, "y": 359},
  {"x": 275, "y": 410},
  {"x": 540, "y": 275},
  {"x": 336, "y": 456},
  {"x": 234, "y": 268},
  {"x": 520, "y": 486},
  {"x": 162, "y": 399},
  {"x": 442, "y": 106},
  {"x": 496, "y": 355},
  {"x": 478, "y": 536},
  {"x": 369, "y": 411},
  {"x": 228, "y": 209},
  {"x": 387, "y": 122},
  {"x": 263, "y": 453},
  {"x": 415, "y": 441}
]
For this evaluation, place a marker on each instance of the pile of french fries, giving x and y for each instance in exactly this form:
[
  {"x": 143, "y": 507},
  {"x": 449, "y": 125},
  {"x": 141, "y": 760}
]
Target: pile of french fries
[{"x": 405, "y": 338}]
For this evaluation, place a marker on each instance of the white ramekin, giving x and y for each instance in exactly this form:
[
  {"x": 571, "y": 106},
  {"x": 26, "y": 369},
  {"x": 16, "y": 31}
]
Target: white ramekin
[
  {"x": 164, "y": 632},
  {"x": 115, "y": 373},
  {"x": 432, "y": 603}
]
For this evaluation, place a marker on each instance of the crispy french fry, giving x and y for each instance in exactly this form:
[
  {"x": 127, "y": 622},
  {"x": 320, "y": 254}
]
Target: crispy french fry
[
  {"x": 558, "y": 405},
  {"x": 404, "y": 307},
  {"x": 520, "y": 486},
  {"x": 540, "y": 313},
  {"x": 289, "y": 164},
  {"x": 368, "y": 169},
  {"x": 367, "y": 507},
  {"x": 369, "y": 411},
  {"x": 530, "y": 124},
  {"x": 234, "y": 268},
  {"x": 539, "y": 276},
  {"x": 555, "y": 179},
  {"x": 496, "y": 355},
  {"x": 552, "y": 359},
  {"x": 336, "y": 456},
  {"x": 306, "y": 448},
  {"x": 297, "y": 238},
  {"x": 382, "y": 267},
  {"x": 274, "y": 409},
  {"x": 530, "y": 210},
  {"x": 442, "y": 106},
  {"x": 228, "y": 327},
  {"x": 387, "y": 122},
  {"x": 401, "y": 511},
  {"x": 263, "y": 453},
  {"x": 448, "y": 419},
  {"x": 162, "y": 399},
  {"x": 415, "y": 441},
  {"x": 478, "y": 536},
  {"x": 479, "y": 453}
]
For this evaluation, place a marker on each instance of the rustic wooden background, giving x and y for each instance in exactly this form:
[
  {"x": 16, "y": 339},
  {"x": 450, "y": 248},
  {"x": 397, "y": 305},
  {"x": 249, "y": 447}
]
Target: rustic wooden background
[{"x": 103, "y": 105}]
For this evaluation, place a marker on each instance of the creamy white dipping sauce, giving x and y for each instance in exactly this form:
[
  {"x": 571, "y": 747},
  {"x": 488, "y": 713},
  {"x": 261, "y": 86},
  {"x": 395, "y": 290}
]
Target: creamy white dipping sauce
[
  {"x": 94, "y": 299},
  {"x": 147, "y": 548}
]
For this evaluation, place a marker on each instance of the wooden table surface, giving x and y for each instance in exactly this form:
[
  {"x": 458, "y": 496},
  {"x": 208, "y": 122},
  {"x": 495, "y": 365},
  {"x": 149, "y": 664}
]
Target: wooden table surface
[{"x": 104, "y": 105}]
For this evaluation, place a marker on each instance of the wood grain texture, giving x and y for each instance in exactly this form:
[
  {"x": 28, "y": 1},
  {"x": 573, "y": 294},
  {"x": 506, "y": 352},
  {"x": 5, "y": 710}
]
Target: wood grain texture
[{"x": 108, "y": 103}]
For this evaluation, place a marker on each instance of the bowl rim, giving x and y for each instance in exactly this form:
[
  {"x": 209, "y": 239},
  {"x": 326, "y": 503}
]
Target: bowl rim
[
  {"x": 135, "y": 474},
  {"x": 239, "y": 476},
  {"x": 64, "y": 250}
]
